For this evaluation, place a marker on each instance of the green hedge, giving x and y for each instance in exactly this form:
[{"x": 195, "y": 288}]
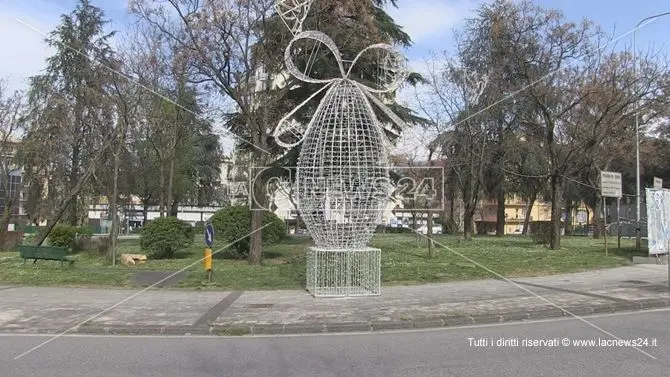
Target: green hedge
[
  {"x": 71, "y": 237},
  {"x": 232, "y": 225},
  {"x": 540, "y": 231},
  {"x": 163, "y": 237}
]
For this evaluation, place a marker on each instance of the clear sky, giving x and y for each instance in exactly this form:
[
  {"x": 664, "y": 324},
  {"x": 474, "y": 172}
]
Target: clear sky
[{"x": 429, "y": 23}]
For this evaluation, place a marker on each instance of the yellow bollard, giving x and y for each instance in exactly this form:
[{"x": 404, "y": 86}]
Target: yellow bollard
[{"x": 208, "y": 263}]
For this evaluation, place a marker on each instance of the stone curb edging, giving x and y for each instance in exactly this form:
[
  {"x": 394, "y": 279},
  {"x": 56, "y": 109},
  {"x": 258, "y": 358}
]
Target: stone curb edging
[
  {"x": 458, "y": 319},
  {"x": 449, "y": 320}
]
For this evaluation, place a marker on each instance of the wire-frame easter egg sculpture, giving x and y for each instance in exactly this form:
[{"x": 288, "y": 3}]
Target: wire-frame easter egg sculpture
[{"x": 342, "y": 179}]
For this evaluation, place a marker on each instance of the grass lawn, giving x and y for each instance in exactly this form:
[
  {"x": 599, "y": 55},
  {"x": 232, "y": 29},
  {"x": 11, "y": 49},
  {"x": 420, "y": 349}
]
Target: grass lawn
[{"x": 404, "y": 261}]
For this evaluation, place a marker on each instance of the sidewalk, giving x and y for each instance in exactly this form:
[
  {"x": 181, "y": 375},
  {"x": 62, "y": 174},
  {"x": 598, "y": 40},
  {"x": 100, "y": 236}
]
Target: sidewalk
[{"x": 178, "y": 312}]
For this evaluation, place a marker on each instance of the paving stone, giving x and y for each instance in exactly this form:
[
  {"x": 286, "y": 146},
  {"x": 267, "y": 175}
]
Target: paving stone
[
  {"x": 515, "y": 316},
  {"x": 428, "y": 323},
  {"x": 458, "y": 320},
  {"x": 486, "y": 318},
  {"x": 349, "y": 327},
  {"x": 266, "y": 329},
  {"x": 580, "y": 310},
  {"x": 304, "y": 329},
  {"x": 541, "y": 313},
  {"x": 123, "y": 311},
  {"x": 391, "y": 325}
]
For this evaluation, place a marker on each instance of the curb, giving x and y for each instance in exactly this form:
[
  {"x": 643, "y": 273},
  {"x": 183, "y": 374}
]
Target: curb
[{"x": 446, "y": 320}]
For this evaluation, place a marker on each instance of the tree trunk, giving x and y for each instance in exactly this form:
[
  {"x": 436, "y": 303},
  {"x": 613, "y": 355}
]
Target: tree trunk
[
  {"x": 10, "y": 197},
  {"x": 258, "y": 202},
  {"x": 429, "y": 233},
  {"x": 451, "y": 223},
  {"x": 555, "y": 236},
  {"x": 467, "y": 224},
  {"x": 174, "y": 207},
  {"x": 256, "y": 243},
  {"x": 170, "y": 184},
  {"x": 598, "y": 218},
  {"x": 500, "y": 215},
  {"x": 568, "y": 216},
  {"x": 468, "y": 219},
  {"x": 113, "y": 232},
  {"x": 6, "y": 215},
  {"x": 74, "y": 177},
  {"x": 529, "y": 212},
  {"x": 161, "y": 206},
  {"x": 417, "y": 237},
  {"x": 145, "y": 211}
]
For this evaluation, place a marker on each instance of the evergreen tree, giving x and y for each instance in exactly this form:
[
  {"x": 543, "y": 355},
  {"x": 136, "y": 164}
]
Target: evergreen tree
[{"x": 71, "y": 114}]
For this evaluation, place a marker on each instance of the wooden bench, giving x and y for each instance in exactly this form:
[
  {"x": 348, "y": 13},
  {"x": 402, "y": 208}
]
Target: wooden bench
[{"x": 45, "y": 253}]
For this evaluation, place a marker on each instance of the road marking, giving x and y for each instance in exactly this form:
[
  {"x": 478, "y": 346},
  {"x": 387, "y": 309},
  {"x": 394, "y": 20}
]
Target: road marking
[
  {"x": 215, "y": 311},
  {"x": 594, "y": 295},
  {"x": 358, "y": 333}
]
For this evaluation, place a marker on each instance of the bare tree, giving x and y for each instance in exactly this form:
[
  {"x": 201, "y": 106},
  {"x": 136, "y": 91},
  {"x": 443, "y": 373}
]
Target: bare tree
[
  {"x": 451, "y": 103},
  {"x": 11, "y": 125},
  {"x": 221, "y": 39}
]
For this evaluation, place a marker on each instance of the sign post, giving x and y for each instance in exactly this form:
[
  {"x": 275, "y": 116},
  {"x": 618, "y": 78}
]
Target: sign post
[
  {"x": 618, "y": 223},
  {"x": 610, "y": 186},
  {"x": 605, "y": 222},
  {"x": 209, "y": 240}
]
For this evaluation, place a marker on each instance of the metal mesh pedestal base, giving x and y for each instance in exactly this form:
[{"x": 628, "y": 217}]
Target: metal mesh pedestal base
[{"x": 341, "y": 273}]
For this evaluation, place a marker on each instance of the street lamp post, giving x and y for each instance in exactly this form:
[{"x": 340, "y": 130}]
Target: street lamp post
[{"x": 638, "y": 234}]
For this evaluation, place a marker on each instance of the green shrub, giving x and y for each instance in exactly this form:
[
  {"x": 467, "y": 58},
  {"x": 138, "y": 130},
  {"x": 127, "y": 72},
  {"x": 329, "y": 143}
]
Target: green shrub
[
  {"x": 189, "y": 231},
  {"x": 233, "y": 224},
  {"x": 164, "y": 236},
  {"x": 540, "y": 231},
  {"x": 82, "y": 239},
  {"x": 29, "y": 239},
  {"x": 11, "y": 240},
  {"x": 72, "y": 237},
  {"x": 63, "y": 236},
  {"x": 199, "y": 228},
  {"x": 103, "y": 245}
]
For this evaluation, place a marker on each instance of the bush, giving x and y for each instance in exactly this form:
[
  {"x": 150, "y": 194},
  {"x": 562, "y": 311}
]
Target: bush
[
  {"x": 199, "y": 228},
  {"x": 189, "y": 231},
  {"x": 11, "y": 240},
  {"x": 82, "y": 239},
  {"x": 29, "y": 239},
  {"x": 232, "y": 223},
  {"x": 71, "y": 237},
  {"x": 164, "y": 236},
  {"x": 63, "y": 236},
  {"x": 103, "y": 245},
  {"x": 540, "y": 231}
]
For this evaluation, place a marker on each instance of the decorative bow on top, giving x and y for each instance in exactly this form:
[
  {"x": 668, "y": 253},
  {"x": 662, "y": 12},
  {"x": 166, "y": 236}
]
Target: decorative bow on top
[{"x": 287, "y": 125}]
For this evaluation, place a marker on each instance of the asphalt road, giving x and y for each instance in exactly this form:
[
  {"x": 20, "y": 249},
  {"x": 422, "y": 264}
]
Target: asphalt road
[{"x": 414, "y": 354}]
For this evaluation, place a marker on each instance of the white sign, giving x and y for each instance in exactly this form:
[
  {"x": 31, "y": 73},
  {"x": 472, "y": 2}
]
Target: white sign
[
  {"x": 581, "y": 217},
  {"x": 658, "y": 183},
  {"x": 658, "y": 229},
  {"x": 610, "y": 184}
]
